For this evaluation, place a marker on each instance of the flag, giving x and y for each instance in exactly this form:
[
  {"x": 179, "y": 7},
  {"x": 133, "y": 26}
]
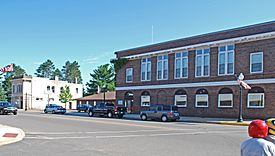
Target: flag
[
  {"x": 8, "y": 68},
  {"x": 245, "y": 85}
]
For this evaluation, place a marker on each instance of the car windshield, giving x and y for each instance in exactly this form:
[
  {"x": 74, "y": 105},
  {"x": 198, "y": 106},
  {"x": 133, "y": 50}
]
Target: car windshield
[{"x": 109, "y": 104}]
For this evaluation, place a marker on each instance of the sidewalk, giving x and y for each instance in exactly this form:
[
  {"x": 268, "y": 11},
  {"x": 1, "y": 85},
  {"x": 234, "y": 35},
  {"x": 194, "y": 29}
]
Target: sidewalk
[
  {"x": 224, "y": 121},
  {"x": 10, "y": 135}
]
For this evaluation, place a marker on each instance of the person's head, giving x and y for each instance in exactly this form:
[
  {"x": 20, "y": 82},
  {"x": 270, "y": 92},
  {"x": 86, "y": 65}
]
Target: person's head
[
  {"x": 258, "y": 129},
  {"x": 271, "y": 126}
]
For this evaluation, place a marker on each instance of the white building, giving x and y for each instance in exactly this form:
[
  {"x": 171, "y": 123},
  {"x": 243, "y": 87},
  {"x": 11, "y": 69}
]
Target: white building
[{"x": 35, "y": 92}]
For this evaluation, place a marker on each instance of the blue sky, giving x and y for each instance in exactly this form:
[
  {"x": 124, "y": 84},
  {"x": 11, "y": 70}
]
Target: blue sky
[{"x": 90, "y": 31}]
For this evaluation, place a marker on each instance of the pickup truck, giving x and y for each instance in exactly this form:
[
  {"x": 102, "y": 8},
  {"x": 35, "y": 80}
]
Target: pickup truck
[{"x": 107, "y": 109}]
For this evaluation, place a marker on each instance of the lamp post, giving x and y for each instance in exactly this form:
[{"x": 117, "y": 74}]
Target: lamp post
[{"x": 240, "y": 78}]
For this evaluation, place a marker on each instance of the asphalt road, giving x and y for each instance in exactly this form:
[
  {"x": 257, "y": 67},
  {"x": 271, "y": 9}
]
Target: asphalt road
[{"x": 75, "y": 134}]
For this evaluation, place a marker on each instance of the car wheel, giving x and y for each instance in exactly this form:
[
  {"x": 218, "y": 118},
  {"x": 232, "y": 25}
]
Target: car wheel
[
  {"x": 110, "y": 114},
  {"x": 15, "y": 113},
  {"x": 45, "y": 112},
  {"x": 143, "y": 117},
  {"x": 120, "y": 116},
  {"x": 78, "y": 110},
  {"x": 91, "y": 113},
  {"x": 164, "y": 118},
  {"x": 1, "y": 112},
  {"x": 53, "y": 112}
]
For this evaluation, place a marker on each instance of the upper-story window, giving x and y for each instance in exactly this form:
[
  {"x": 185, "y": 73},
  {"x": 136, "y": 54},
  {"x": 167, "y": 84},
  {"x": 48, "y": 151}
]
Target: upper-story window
[
  {"x": 181, "y": 65},
  {"x": 162, "y": 67},
  {"x": 202, "y": 62},
  {"x": 48, "y": 88},
  {"x": 146, "y": 69},
  {"x": 256, "y": 62},
  {"x": 129, "y": 75},
  {"x": 76, "y": 90},
  {"x": 226, "y": 60},
  {"x": 53, "y": 89}
]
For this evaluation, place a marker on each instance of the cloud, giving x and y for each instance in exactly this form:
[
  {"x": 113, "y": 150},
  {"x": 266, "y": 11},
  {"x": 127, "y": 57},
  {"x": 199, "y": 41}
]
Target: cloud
[
  {"x": 37, "y": 62},
  {"x": 93, "y": 60}
]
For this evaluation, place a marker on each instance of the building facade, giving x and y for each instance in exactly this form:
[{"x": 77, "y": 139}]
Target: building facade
[
  {"x": 35, "y": 92},
  {"x": 199, "y": 73},
  {"x": 109, "y": 97}
]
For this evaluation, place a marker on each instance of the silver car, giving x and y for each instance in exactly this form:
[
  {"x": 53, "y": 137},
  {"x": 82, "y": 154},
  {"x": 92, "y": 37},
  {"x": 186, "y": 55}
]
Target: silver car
[
  {"x": 54, "y": 108},
  {"x": 161, "y": 112}
]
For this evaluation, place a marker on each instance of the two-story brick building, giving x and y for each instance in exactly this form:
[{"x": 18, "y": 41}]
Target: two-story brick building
[{"x": 199, "y": 73}]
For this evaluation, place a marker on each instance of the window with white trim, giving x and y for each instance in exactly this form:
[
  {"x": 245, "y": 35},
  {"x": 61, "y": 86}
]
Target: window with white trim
[
  {"x": 145, "y": 99},
  {"x": 181, "y": 65},
  {"x": 181, "y": 98},
  {"x": 256, "y": 62},
  {"x": 226, "y": 60},
  {"x": 146, "y": 69},
  {"x": 202, "y": 62},
  {"x": 162, "y": 67},
  {"x": 202, "y": 98},
  {"x": 129, "y": 75},
  {"x": 225, "y": 98},
  {"x": 255, "y": 98}
]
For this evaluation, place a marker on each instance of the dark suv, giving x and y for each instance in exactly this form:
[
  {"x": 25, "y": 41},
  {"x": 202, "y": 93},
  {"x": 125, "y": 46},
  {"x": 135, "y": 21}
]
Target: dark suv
[
  {"x": 6, "y": 108},
  {"x": 83, "y": 107},
  {"x": 161, "y": 112}
]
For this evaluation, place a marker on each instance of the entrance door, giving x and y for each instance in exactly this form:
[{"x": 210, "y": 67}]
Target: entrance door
[{"x": 129, "y": 101}]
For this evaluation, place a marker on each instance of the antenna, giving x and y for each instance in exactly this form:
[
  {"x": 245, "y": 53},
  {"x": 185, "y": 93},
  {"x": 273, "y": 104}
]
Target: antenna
[{"x": 152, "y": 34}]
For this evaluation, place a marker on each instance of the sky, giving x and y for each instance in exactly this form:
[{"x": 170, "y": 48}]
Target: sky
[{"x": 90, "y": 31}]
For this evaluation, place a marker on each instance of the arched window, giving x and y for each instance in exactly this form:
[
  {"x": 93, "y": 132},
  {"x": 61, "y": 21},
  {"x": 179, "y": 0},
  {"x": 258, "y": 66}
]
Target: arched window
[
  {"x": 202, "y": 98},
  {"x": 181, "y": 98},
  {"x": 255, "y": 98},
  {"x": 225, "y": 98},
  {"x": 145, "y": 98}
]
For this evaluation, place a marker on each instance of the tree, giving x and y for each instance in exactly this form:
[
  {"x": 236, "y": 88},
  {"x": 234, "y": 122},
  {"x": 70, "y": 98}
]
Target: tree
[
  {"x": 7, "y": 86},
  {"x": 65, "y": 95},
  {"x": 46, "y": 69},
  {"x": 3, "y": 96},
  {"x": 102, "y": 76},
  {"x": 71, "y": 72},
  {"x": 57, "y": 73}
]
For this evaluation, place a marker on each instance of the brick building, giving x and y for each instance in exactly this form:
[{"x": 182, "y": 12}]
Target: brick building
[{"x": 199, "y": 73}]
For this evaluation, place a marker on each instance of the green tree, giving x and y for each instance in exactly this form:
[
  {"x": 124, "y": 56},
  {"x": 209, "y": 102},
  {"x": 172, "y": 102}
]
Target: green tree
[
  {"x": 71, "y": 72},
  {"x": 46, "y": 69},
  {"x": 102, "y": 76},
  {"x": 65, "y": 95},
  {"x": 3, "y": 96},
  {"x": 57, "y": 73},
  {"x": 7, "y": 86}
]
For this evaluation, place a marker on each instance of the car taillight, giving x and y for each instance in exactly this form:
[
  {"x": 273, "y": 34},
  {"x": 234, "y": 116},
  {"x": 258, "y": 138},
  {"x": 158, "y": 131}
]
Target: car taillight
[
  {"x": 115, "y": 109},
  {"x": 170, "y": 113}
]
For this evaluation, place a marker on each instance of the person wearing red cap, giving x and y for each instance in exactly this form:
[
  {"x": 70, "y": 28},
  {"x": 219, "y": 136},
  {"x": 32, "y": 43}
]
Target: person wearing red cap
[{"x": 257, "y": 145}]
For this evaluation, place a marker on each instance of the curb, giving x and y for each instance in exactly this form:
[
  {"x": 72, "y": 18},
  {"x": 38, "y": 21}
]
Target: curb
[
  {"x": 10, "y": 135},
  {"x": 231, "y": 123}
]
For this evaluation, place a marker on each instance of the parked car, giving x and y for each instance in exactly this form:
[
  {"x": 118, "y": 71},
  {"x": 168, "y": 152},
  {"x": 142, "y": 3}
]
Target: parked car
[
  {"x": 83, "y": 107},
  {"x": 54, "y": 108},
  {"x": 107, "y": 109},
  {"x": 161, "y": 112},
  {"x": 7, "y": 107}
]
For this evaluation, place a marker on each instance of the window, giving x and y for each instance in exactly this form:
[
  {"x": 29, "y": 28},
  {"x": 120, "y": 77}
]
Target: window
[
  {"x": 13, "y": 88},
  {"x": 76, "y": 90},
  {"x": 202, "y": 98},
  {"x": 255, "y": 98},
  {"x": 53, "y": 89},
  {"x": 256, "y": 62},
  {"x": 162, "y": 67},
  {"x": 226, "y": 60},
  {"x": 48, "y": 88},
  {"x": 129, "y": 75},
  {"x": 181, "y": 65},
  {"x": 202, "y": 62},
  {"x": 61, "y": 89},
  {"x": 146, "y": 69},
  {"x": 145, "y": 99},
  {"x": 181, "y": 98},
  {"x": 225, "y": 98}
]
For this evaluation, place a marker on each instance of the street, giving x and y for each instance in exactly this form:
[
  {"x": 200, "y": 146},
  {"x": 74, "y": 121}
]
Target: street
[{"x": 77, "y": 134}]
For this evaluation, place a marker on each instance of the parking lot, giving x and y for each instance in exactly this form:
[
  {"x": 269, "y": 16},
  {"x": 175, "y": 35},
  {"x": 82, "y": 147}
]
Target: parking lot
[{"x": 78, "y": 134}]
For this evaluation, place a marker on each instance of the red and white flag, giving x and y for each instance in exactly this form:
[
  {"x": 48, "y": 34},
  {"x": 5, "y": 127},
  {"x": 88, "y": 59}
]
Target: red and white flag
[
  {"x": 8, "y": 68},
  {"x": 245, "y": 85}
]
